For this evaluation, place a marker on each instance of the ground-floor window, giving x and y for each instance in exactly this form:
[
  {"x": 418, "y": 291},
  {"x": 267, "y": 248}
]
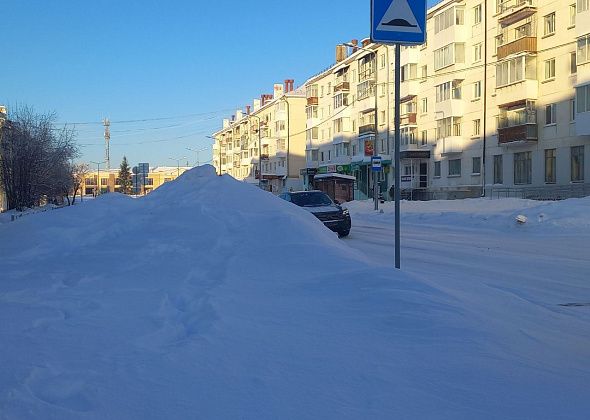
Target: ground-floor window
[
  {"x": 454, "y": 167},
  {"x": 498, "y": 170},
  {"x": 550, "y": 166},
  {"x": 523, "y": 168},
  {"x": 476, "y": 165},
  {"x": 437, "y": 169},
  {"x": 577, "y": 163}
]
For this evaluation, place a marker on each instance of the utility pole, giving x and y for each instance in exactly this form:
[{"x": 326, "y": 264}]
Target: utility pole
[{"x": 107, "y": 140}]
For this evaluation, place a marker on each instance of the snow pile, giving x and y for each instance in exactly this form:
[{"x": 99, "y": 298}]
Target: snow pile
[{"x": 210, "y": 298}]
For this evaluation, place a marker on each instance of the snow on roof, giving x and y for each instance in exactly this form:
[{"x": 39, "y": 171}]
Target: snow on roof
[{"x": 334, "y": 175}]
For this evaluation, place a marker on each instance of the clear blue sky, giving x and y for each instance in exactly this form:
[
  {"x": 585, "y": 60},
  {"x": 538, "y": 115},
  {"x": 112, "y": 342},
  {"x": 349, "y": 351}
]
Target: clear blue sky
[{"x": 195, "y": 61}]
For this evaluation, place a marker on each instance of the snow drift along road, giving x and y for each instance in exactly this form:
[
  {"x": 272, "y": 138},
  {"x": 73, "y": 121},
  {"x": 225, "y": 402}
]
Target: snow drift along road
[{"x": 212, "y": 299}]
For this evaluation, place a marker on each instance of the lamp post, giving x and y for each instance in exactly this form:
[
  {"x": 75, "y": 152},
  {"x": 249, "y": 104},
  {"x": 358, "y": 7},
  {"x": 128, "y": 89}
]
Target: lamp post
[
  {"x": 178, "y": 164},
  {"x": 375, "y": 176},
  {"x": 259, "y": 150},
  {"x": 284, "y": 99},
  {"x": 98, "y": 175},
  {"x": 197, "y": 152}
]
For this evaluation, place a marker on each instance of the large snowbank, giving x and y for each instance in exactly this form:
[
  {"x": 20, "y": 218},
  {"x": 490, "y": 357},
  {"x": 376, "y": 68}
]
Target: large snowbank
[{"x": 210, "y": 298}]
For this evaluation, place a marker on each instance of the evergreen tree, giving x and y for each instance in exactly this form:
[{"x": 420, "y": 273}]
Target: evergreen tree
[{"x": 125, "y": 177}]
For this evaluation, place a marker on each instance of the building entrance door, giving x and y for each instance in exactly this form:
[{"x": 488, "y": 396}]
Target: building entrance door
[{"x": 423, "y": 174}]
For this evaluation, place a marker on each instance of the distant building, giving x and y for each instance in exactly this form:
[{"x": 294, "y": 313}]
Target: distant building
[
  {"x": 266, "y": 145},
  {"x": 108, "y": 180}
]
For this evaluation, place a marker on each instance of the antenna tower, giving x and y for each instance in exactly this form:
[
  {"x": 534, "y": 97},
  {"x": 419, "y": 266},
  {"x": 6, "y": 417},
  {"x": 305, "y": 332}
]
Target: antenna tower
[{"x": 107, "y": 139}]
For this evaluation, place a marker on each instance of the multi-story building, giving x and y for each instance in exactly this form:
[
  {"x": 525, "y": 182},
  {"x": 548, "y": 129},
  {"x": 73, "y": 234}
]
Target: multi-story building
[
  {"x": 108, "y": 180},
  {"x": 266, "y": 143},
  {"x": 495, "y": 98}
]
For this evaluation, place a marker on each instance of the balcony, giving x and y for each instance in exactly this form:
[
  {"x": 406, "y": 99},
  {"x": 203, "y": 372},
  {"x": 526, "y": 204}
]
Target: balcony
[
  {"x": 367, "y": 129},
  {"x": 518, "y": 134},
  {"x": 409, "y": 88},
  {"x": 449, "y": 108},
  {"x": 452, "y": 145},
  {"x": 341, "y": 86},
  {"x": 281, "y": 153},
  {"x": 510, "y": 11},
  {"x": 312, "y": 100},
  {"x": 525, "y": 44},
  {"x": 518, "y": 124},
  {"x": 408, "y": 119},
  {"x": 409, "y": 55},
  {"x": 517, "y": 92},
  {"x": 264, "y": 156}
]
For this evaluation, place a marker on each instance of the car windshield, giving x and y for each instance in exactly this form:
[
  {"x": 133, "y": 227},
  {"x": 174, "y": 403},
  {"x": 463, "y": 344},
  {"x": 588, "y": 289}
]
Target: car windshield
[{"x": 311, "y": 199}]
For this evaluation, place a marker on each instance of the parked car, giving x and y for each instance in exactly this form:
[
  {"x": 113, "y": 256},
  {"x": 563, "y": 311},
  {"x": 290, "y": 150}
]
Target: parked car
[{"x": 321, "y": 206}]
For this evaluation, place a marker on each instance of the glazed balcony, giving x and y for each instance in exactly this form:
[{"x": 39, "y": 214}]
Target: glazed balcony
[
  {"x": 342, "y": 86},
  {"x": 452, "y": 145},
  {"x": 518, "y": 127},
  {"x": 510, "y": 11},
  {"x": 525, "y": 44},
  {"x": 312, "y": 100},
  {"x": 367, "y": 129},
  {"x": 408, "y": 119}
]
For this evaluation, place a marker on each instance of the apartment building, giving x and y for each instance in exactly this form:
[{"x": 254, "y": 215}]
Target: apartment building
[
  {"x": 496, "y": 98},
  {"x": 265, "y": 144},
  {"x": 155, "y": 178},
  {"x": 341, "y": 106}
]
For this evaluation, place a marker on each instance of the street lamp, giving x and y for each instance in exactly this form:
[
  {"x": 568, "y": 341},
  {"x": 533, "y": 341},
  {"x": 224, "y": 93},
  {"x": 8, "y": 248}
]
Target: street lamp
[
  {"x": 259, "y": 150},
  {"x": 98, "y": 175},
  {"x": 197, "y": 152},
  {"x": 178, "y": 164},
  {"x": 374, "y": 52}
]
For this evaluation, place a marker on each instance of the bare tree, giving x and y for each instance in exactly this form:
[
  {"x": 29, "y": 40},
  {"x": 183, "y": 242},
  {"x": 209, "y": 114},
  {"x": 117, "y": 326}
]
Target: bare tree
[
  {"x": 34, "y": 168},
  {"x": 78, "y": 173}
]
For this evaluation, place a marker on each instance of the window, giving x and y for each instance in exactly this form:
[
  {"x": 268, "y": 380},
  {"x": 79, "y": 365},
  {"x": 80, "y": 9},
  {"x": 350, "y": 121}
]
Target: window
[
  {"x": 523, "y": 168},
  {"x": 322, "y": 156},
  {"x": 573, "y": 65},
  {"x": 341, "y": 125},
  {"x": 477, "y": 53},
  {"x": 572, "y": 15},
  {"x": 443, "y": 92},
  {"x": 572, "y": 110},
  {"x": 583, "y": 49},
  {"x": 583, "y": 5},
  {"x": 329, "y": 88},
  {"x": 329, "y": 155},
  {"x": 365, "y": 89},
  {"x": 104, "y": 181},
  {"x": 424, "y": 137},
  {"x": 340, "y": 100},
  {"x": 424, "y": 72},
  {"x": 476, "y": 127},
  {"x": 437, "y": 169},
  {"x": 577, "y": 153},
  {"x": 382, "y": 117},
  {"x": 498, "y": 170},
  {"x": 476, "y": 162},
  {"x": 550, "y": 114},
  {"x": 477, "y": 14},
  {"x": 583, "y": 99},
  {"x": 449, "y": 55},
  {"x": 477, "y": 90},
  {"x": 424, "y": 105},
  {"x": 322, "y": 91},
  {"x": 549, "y": 24},
  {"x": 408, "y": 72},
  {"x": 550, "y": 163},
  {"x": 312, "y": 112},
  {"x": 550, "y": 69},
  {"x": 382, "y": 60},
  {"x": 444, "y": 20},
  {"x": 455, "y": 167}
]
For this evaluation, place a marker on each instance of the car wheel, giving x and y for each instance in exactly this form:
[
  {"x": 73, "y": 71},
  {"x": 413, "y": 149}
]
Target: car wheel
[{"x": 343, "y": 233}]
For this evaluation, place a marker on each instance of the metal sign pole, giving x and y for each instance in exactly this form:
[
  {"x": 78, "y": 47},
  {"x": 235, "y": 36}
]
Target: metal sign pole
[{"x": 397, "y": 156}]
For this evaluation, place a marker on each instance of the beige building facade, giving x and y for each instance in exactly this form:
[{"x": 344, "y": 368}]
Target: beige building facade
[{"x": 266, "y": 143}]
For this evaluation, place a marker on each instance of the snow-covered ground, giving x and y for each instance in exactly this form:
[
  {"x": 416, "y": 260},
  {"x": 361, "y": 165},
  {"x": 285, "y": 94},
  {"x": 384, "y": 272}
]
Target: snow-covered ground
[{"x": 212, "y": 299}]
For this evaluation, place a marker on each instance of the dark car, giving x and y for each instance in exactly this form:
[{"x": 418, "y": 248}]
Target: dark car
[{"x": 321, "y": 206}]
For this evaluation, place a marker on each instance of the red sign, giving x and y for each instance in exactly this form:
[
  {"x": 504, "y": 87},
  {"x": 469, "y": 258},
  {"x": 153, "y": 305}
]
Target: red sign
[{"x": 369, "y": 147}]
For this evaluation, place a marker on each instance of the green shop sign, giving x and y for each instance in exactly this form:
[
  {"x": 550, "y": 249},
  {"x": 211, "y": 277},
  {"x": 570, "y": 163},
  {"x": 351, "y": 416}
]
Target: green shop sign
[{"x": 331, "y": 169}]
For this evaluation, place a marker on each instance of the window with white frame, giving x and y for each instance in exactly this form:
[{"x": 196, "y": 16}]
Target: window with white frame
[
  {"x": 477, "y": 49},
  {"x": 340, "y": 100},
  {"x": 583, "y": 5},
  {"x": 573, "y": 110},
  {"x": 476, "y": 127},
  {"x": 583, "y": 99},
  {"x": 515, "y": 70},
  {"x": 550, "y": 114},
  {"x": 444, "y": 20},
  {"x": 311, "y": 111},
  {"x": 424, "y": 72},
  {"x": 408, "y": 72},
  {"x": 443, "y": 92},
  {"x": 477, "y": 14},
  {"x": 550, "y": 69},
  {"x": 477, "y": 90},
  {"x": 572, "y": 14},
  {"x": 573, "y": 63},
  {"x": 577, "y": 163},
  {"x": 424, "y": 105},
  {"x": 341, "y": 125},
  {"x": 498, "y": 170},
  {"x": 424, "y": 137},
  {"x": 583, "y": 49},
  {"x": 448, "y": 55},
  {"x": 382, "y": 60},
  {"x": 549, "y": 23},
  {"x": 437, "y": 169},
  {"x": 550, "y": 166}
]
